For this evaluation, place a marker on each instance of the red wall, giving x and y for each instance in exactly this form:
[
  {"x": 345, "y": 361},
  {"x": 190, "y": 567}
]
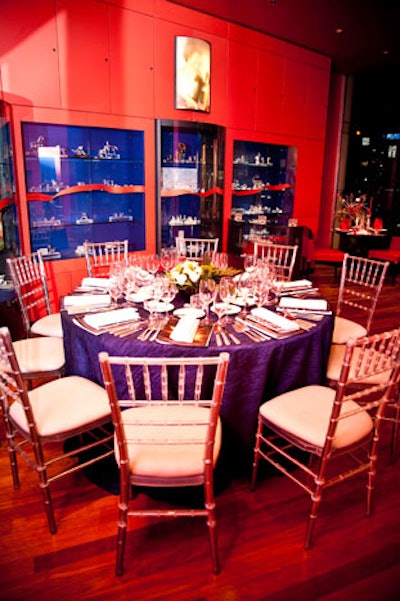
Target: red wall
[{"x": 112, "y": 64}]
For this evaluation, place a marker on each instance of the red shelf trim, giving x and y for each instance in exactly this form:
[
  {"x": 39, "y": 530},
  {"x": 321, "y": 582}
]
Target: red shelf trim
[
  {"x": 4, "y": 202},
  {"x": 85, "y": 188}
]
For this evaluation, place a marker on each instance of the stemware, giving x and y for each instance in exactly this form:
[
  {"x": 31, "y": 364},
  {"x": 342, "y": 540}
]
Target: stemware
[
  {"x": 221, "y": 261},
  {"x": 167, "y": 258},
  {"x": 152, "y": 263},
  {"x": 221, "y": 307},
  {"x": 250, "y": 263},
  {"x": 170, "y": 290},
  {"x": 244, "y": 286},
  {"x": 207, "y": 292}
]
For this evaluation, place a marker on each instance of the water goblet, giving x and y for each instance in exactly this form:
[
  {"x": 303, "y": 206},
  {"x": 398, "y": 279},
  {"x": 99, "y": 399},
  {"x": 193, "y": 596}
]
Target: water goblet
[
  {"x": 152, "y": 264},
  {"x": 221, "y": 261},
  {"x": 244, "y": 289},
  {"x": 207, "y": 292},
  {"x": 250, "y": 263},
  {"x": 167, "y": 258}
]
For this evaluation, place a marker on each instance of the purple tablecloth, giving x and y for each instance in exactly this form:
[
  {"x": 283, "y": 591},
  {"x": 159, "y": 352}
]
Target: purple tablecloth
[{"x": 257, "y": 371}]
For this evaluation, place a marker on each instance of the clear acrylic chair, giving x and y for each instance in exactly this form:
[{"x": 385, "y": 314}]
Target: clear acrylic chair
[
  {"x": 168, "y": 432},
  {"x": 38, "y": 422},
  {"x": 101, "y": 255},
  {"x": 336, "y": 429},
  {"x": 361, "y": 283},
  {"x": 196, "y": 248},
  {"x": 29, "y": 278},
  {"x": 281, "y": 256}
]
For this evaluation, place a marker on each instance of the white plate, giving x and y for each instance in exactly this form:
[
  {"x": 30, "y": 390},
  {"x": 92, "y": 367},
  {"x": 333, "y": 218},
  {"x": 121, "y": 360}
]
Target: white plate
[
  {"x": 160, "y": 307},
  {"x": 230, "y": 309},
  {"x": 139, "y": 297},
  {"x": 198, "y": 313}
]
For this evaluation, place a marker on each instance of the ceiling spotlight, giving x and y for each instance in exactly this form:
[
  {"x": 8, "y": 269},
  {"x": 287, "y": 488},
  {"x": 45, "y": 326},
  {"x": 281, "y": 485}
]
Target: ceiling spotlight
[{"x": 338, "y": 30}]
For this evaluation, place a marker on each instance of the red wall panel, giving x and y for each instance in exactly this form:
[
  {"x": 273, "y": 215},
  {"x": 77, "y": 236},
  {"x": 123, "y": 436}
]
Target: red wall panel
[{"x": 84, "y": 55}]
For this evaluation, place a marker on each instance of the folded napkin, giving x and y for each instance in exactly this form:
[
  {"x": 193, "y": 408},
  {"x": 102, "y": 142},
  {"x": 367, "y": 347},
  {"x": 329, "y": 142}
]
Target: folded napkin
[
  {"x": 86, "y": 300},
  {"x": 96, "y": 283},
  {"x": 293, "y": 285},
  {"x": 185, "y": 330},
  {"x": 107, "y": 318},
  {"x": 270, "y": 317},
  {"x": 312, "y": 304}
]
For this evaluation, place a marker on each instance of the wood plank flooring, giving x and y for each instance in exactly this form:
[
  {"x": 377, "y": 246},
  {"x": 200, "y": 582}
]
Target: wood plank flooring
[{"x": 260, "y": 535}]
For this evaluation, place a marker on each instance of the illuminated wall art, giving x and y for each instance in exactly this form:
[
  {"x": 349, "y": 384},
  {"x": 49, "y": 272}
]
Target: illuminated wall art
[{"x": 192, "y": 74}]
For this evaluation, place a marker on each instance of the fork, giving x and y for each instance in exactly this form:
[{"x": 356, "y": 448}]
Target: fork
[{"x": 243, "y": 329}]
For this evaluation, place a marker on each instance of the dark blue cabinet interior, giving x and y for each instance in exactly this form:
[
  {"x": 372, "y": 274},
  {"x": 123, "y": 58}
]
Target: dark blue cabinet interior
[
  {"x": 83, "y": 183},
  {"x": 190, "y": 173}
]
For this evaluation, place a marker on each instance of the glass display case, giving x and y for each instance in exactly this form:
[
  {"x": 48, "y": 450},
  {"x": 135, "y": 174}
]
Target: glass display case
[
  {"x": 9, "y": 234},
  {"x": 263, "y": 186},
  {"x": 190, "y": 180},
  {"x": 83, "y": 183}
]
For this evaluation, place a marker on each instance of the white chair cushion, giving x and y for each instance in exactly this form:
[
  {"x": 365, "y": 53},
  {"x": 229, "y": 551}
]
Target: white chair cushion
[
  {"x": 49, "y": 325},
  {"x": 305, "y": 413},
  {"x": 167, "y": 450},
  {"x": 336, "y": 356},
  {"x": 344, "y": 329},
  {"x": 63, "y": 405},
  {"x": 41, "y": 353}
]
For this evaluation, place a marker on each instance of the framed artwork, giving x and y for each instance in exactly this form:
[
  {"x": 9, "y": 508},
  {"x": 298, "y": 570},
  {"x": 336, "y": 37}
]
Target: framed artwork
[{"x": 192, "y": 74}]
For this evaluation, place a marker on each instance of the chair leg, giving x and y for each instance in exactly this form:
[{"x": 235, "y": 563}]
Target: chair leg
[
  {"x": 121, "y": 538},
  {"x": 256, "y": 456},
  {"x": 48, "y": 507},
  {"x": 209, "y": 503},
  {"x": 212, "y": 530},
  {"x": 316, "y": 501}
]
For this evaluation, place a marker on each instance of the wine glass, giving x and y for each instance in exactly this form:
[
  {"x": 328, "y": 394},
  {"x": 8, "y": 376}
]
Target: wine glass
[
  {"x": 221, "y": 261},
  {"x": 152, "y": 264},
  {"x": 250, "y": 263},
  {"x": 244, "y": 286},
  {"x": 220, "y": 307},
  {"x": 207, "y": 291},
  {"x": 227, "y": 292},
  {"x": 170, "y": 291},
  {"x": 167, "y": 258}
]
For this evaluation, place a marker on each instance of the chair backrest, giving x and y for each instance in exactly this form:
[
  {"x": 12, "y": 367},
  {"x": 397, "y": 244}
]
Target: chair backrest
[
  {"x": 29, "y": 279},
  {"x": 12, "y": 387},
  {"x": 196, "y": 248},
  {"x": 361, "y": 283},
  {"x": 165, "y": 384},
  {"x": 100, "y": 255},
  {"x": 369, "y": 380},
  {"x": 282, "y": 257}
]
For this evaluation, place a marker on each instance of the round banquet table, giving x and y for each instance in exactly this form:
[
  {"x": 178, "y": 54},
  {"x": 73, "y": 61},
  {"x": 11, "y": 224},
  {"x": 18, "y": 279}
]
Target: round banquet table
[{"x": 257, "y": 371}]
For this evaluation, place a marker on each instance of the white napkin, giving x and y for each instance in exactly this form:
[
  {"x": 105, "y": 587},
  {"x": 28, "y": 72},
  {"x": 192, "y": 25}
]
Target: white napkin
[
  {"x": 293, "y": 285},
  {"x": 276, "y": 320},
  {"x": 86, "y": 300},
  {"x": 185, "y": 330},
  {"x": 107, "y": 318},
  {"x": 313, "y": 304},
  {"x": 96, "y": 283}
]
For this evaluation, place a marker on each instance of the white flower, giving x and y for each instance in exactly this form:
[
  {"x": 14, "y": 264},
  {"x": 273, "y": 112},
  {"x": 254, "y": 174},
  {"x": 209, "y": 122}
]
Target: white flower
[{"x": 186, "y": 273}]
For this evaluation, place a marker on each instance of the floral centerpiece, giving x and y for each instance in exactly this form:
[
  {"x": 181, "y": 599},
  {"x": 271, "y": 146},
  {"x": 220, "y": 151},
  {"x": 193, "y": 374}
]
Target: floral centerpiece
[
  {"x": 354, "y": 213},
  {"x": 187, "y": 275}
]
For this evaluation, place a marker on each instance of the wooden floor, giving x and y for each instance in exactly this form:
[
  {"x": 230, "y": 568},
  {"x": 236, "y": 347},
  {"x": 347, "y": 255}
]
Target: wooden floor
[{"x": 260, "y": 536}]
